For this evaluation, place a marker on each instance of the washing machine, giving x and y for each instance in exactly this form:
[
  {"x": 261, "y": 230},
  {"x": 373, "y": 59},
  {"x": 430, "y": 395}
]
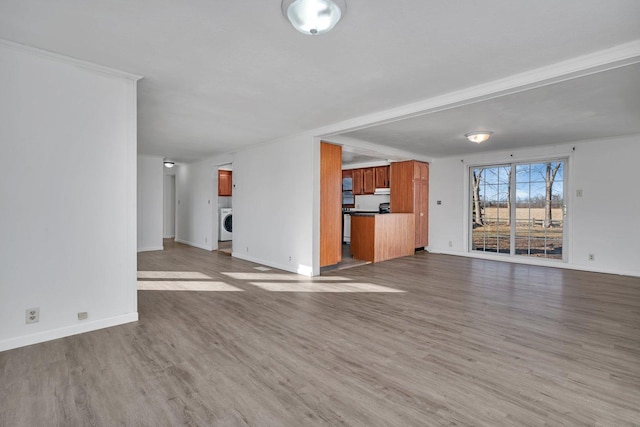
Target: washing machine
[{"x": 226, "y": 220}]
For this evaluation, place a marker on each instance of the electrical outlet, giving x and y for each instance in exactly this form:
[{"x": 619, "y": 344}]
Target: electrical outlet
[
  {"x": 289, "y": 258},
  {"x": 32, "y": 315},
  {"x": 450, "y": 244},
  {"x": 592, "y": 257},
  {"x": 205, "y": 240},
  {"x": 578, "y": 193},
  {"x": 83, "y": 315}
]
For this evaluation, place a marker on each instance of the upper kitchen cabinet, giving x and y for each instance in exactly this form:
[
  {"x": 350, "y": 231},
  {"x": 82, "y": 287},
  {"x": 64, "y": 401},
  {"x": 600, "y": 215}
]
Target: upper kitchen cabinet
[
  {"x": 421, "y": 171},
  {"x": 366, "y": 180},
  {"x": 410, "y": 194},
  {"x": 369, "y": 180},
  {"x": 382, "y": 176},
  {"x": 224, "y": 183},
  {"x": 358, "y": 181}
]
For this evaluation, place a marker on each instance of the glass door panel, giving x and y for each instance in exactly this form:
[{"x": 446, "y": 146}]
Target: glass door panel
[
  {"x": 539, "y": 209},
  {"x": 491, "y": 209}
]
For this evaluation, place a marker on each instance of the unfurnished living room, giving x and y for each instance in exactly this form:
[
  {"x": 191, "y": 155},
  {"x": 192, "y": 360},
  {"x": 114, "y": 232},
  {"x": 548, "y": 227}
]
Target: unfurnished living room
[{"x": 320, "y": 212}]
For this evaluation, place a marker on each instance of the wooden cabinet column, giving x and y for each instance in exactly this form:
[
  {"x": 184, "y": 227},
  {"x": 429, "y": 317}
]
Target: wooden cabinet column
[
  {"x": 330, "y": 204},
  {"x": 410, "y": 194}
]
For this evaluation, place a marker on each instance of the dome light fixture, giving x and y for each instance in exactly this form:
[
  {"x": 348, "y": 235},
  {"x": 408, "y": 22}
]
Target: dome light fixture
[
  {"x": 313, "y": 17},
  {"x": 478, "y": 136},
  {"x": 169, "y": 164}
]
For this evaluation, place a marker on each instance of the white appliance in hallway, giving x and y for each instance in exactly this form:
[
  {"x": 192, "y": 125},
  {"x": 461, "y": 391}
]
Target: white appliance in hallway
[{"x": 226, "y": 223}]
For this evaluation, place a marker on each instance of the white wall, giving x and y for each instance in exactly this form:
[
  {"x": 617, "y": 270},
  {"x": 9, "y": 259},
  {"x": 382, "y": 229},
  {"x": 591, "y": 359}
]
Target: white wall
[
  {"x": 68, "y": 211},
  {"x": 150, "y": 203},
  {"x": 606, "y": 220},
  {"x": 370, "y": 202},
  {"x": 225, "y": 202},
  {"x": 195, "y": 205},
  {"x": 603, "y": 222},
  {"x": 197, "y": 202},
  {"x": 273, "y": 204}
]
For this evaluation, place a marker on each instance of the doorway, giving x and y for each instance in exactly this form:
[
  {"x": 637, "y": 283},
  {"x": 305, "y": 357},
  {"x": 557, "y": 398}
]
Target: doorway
[
  {"x": 225, "y": 208},
  {"x": 169, "y": 207},
  {"x": 519, "y": 209}
]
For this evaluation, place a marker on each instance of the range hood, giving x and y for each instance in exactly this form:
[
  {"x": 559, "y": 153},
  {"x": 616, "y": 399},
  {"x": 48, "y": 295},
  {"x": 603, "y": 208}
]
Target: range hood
[{"x": 382, "y": 191}]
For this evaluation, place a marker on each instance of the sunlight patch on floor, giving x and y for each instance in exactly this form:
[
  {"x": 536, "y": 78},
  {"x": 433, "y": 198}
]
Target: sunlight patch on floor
[
  {"x": 280, "y": 277},
  {"x": 323, "y": 287},
  {"x": 190, "y": 285},
  {"x": 172, "y": 275}
]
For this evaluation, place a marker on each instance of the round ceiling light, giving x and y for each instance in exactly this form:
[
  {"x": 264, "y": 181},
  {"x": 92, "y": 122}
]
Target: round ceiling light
[
  {"x": 479, "y": 136},
  {"x": 313, "y": 17},
  {"x": 169, "y": 164}
]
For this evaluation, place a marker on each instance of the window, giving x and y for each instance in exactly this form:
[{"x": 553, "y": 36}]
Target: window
[{"x": 518, "y": 209}]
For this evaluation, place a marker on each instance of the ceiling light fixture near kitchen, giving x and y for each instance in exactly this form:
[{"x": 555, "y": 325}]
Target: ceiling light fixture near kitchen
[
  {"x": 168, "y": 164},
  {"x": 478, "y": 136},
  {"x": 313, "y": 17}
]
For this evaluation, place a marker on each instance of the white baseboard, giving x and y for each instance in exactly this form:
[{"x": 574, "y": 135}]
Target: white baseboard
[
  {"x": 300, "y": 269},
  {"x": 151, "y": 248},
  {"x": 67, "y": 331},
  {"x": 538, "y": 262},
  {"x": 195, "y": 245}
]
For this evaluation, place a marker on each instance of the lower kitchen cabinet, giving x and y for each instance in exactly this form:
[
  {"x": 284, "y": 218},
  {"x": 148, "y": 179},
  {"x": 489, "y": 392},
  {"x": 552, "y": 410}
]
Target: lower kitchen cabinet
[
  {"x": 421, "y": 189},
  {"x": 379, "y": 237}
]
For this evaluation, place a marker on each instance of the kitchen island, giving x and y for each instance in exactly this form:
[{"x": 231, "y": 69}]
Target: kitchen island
[{"x": 379, "y": 237}]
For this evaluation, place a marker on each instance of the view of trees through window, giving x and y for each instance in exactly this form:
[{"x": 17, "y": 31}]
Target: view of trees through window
[{"x": 518, "y": 209}]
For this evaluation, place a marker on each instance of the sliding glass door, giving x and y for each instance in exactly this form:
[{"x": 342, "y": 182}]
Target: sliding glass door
[{"x": 518, "y": 209}]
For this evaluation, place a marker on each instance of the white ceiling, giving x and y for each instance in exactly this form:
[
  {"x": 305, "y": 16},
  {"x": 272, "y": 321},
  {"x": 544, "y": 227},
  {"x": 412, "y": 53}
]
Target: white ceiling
[{"x": 222, "y": 75}]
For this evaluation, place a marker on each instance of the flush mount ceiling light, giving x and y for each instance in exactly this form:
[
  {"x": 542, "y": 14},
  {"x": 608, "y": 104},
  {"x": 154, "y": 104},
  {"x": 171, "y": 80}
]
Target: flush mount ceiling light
[
  {"x": 313, "y": 17},
  {"x": 478, "y": 136},
  {"x": 168, "y": 164}
]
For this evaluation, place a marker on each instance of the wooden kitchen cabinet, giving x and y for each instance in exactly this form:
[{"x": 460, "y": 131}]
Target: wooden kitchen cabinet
[
  {"x": 358, "y": 181},
  {"x": 421, "y": 171},
  {"x": 366, "y": 180},
  {"x": 380, "y": 237},
  {"x": 330, "y": 203},
  {"x": 410, "y": 194},
  {"x": 421, "y": 203},
  {"x": 382, "y": 176},
  {"x": 369, "y": 180},
  {"x": 224, "y": 183}
]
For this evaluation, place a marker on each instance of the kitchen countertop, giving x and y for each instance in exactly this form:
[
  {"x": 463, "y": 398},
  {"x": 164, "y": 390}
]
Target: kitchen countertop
[{"x": 362, "y": 213}]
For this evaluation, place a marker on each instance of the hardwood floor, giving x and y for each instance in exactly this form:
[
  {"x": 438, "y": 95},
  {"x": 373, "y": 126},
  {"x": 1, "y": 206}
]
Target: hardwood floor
[{"x": 465, "y": 342}]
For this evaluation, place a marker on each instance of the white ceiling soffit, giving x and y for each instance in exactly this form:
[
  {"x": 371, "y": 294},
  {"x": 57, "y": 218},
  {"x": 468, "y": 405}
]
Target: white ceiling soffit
[
  {"x": 221, "y": 76},
  {"x": 606, "y": 104}
]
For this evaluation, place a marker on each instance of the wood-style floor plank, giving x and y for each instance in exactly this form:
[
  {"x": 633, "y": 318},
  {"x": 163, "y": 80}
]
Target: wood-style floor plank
[{"x": 466, "y": 342}]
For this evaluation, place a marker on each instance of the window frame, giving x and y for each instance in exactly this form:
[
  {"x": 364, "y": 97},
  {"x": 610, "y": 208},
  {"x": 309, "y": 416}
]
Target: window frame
[{"x": 469, "y": 167}]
